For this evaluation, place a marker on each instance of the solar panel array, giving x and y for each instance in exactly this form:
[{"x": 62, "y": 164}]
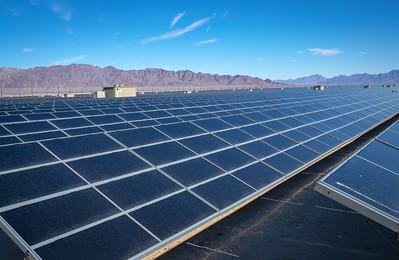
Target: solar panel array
[
  {"x": 368, "y": 181},
  {"x": 122, "y": 178}
]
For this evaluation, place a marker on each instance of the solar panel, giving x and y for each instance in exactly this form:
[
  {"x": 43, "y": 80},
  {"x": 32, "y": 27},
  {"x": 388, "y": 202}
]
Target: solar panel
[
  {"x": 368, "y": 181},
  {"x": 123, "y": 178}
]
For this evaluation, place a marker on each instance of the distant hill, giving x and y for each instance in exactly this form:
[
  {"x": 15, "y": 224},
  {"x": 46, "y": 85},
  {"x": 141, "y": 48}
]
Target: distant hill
[
  {"x": 80, "y": 76},
  {"x": 355, "y": 79}
]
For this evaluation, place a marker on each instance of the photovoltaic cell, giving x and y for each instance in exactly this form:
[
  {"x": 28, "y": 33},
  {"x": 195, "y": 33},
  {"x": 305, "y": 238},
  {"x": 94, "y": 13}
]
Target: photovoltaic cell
[
  {"x": 223, "y": 191},
  {"x": 139, "y": 189},
  {"x": 70, "y": 147},
  {"x": 23, "y": 155},
  {"x": 119, "y": 238},
  {"x": 164, "y": 153},
  {"x": 108, "y": 166},
  {"x": 193, "y": 171},
  {"x": 190, "y": 209},
  {"x": 43, "y": 220}
]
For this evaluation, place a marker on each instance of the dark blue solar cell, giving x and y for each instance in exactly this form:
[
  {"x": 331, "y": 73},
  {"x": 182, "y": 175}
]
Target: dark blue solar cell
[
  {"x": 41, "y": 136},
  {"x": 145, "y": 123},
  {"x": 317, "y": 146},
  {"x": 341, "y": 134},
  {"x": 192, "y": 171},
  {"x": 66, "y": 114},
  {"x": 108, "y": 165},
  {"x": 280, "y": 142},
  {"x": 39, "y": 116},
  {"x": 105, "y": 119},
  {"x": 30, "y": 127},
  {"x": 4, "y": 131},
  {"x": 234, "y": 136},
  {"x": 291, "y": 122},
  {"x": 178, "y": 112},
  {"x": 179, "y": 130},
  {"x": 189, "y": 210},
  {"x": 257, "y": 116},
  {"x": 157, "y": 114},
  {"x": 329, "y": 140},
  {"x": 381, "y": 154},
  {"x": 188, "y": 118},
  {"x": 212, "y": 124},
  {"x": 237, "y": 120},
  {"x": 138, "y": 189},
  {"x": 137, "y": 137},
  {"x": 207, "y": 115},
  {"x": 284, "y": 163},
  {"x": 258, "y": 175},
  {"x": 230, "y": 159},
  {"x": 111, "y": 110},
  {"x": 368, "y": 183},
  {"x": 9, "y": 140},
  {"x": 46, "y": 219},
  {"x": 276, "y": 126},
  {"x": 196, "y": 110},
  {"x": 257, "y": 130},
  {"x": 168, "y": 120},
  {"x": 390, "y": 137},
  {"x": 23, "y": 155},
  {"x": 223, "y": 191},
  {"x": 90, "y": 112},
  {"x": 296, "y": 135},
  {"x": 204, "y": 143},
  {"x": 274, "y": 113},
  {"x": 71, "y": 122},
  {"x": 77, "y": 146},
  {"x": 118, "y": 238},
  {"x": 84, "y": 130},
  {"x": 133, "y": 116},
  {"x": 118, "y": 126},
  {"x": 36, "y": 183},
  {"x": 13, "y": 118},
  {"x": 310, "y": 131},
  {"x": 258, "y": 149},
  {"x": 164, "y": 153},
  {"x": 322, "y": 127},
  {"x": 302, "y": 153},
  {"x": 131, "y": 109}
]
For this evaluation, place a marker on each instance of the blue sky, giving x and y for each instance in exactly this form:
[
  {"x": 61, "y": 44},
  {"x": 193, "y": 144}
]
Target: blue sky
[{"x": 270, "y": 39}]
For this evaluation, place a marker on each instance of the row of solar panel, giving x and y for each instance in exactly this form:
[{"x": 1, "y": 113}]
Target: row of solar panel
[
  {"x": 217, "y": 106},
  {"x": 32, "y": 131},
  {"x": 202, "y": 200},
  {"x": 182, "y": 110},
  {"x": 371, "y": 176},
  {"x": 146, "y": 106},
  {"x": 70, "y": 147}
]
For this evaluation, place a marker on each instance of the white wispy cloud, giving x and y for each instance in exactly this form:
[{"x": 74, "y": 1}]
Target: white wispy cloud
[
  {"x": 225, "y": 14},
  {"x": 325, "y": 52},
  {"x": 207, "y": 41},
  {"x": 70, "y": 31},
  {"x": 28, "y": 50},
  {"x": 178, "y": 32},
  {"x": 177, "y": 18},
  {"x": 63, "y": 12},
  {"x": 69, "y": 60}
]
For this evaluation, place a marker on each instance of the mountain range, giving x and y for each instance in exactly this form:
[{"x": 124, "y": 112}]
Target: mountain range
[
  {"x": 391, "y": 77},
  {"x": 81, "y": 76}
]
